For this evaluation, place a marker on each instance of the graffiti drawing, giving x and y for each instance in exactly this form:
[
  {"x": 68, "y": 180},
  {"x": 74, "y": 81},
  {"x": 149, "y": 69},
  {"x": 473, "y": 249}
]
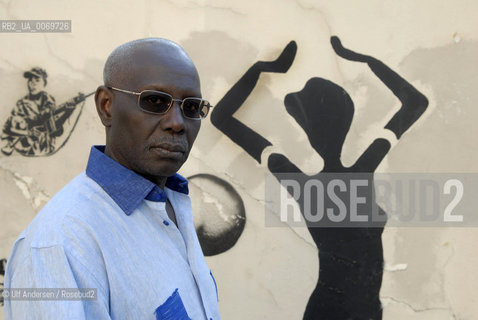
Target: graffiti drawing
[
  {"x": 36, "y": 123},
  {"x": 3, "y": 264},
  {"x": 351, "y": 259},
  {"x": 219, "y": 213}
]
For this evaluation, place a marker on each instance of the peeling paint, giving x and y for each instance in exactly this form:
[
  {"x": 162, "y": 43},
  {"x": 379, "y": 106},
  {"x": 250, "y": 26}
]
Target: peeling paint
[
  {"x": 34, "y": 194},
  {"x": 23, "y": 186},
  {"x": 396, "y": 267}
]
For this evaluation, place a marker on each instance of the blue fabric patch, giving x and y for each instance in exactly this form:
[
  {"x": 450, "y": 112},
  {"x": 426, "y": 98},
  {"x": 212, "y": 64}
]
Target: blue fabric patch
[
  {"x": 126, "y": 187},
  {"x": 172, "y": 309},
  {"x": 156, "y": 195},
  {"x": 178, "y": 183}
]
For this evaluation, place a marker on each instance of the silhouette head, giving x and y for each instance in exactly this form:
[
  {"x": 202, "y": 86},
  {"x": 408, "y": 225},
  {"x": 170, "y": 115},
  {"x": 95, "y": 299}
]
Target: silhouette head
[{"x": 325, "y": 111}]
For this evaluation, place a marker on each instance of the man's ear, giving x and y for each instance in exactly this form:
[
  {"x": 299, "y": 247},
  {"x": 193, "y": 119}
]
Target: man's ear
[{"x": 103, "y": 100}]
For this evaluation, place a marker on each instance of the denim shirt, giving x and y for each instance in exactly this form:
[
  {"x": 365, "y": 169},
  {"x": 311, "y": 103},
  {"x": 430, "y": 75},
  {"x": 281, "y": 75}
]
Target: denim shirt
[{"x": 108, "y": 230}]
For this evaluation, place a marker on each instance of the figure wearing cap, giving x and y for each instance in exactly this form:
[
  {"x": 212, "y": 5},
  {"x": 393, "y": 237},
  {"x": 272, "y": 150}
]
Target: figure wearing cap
[{"x": 36, "y": 121}]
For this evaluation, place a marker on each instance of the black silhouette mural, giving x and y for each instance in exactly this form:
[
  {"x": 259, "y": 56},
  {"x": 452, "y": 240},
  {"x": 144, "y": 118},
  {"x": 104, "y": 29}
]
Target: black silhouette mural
[
  {"x": 3, "y": 264},
  {"x": 351, "y": 259},
  {"x": 219, "y": 213},
  {"x": 36, "y": 122}
]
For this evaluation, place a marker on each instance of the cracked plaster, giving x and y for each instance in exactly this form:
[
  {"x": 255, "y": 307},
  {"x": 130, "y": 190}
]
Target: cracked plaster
[{"x": 428, "y": 275}]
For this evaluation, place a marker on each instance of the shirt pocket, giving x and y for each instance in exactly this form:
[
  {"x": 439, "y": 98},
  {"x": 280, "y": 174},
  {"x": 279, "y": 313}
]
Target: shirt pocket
[{"x": 172, "y": 309}]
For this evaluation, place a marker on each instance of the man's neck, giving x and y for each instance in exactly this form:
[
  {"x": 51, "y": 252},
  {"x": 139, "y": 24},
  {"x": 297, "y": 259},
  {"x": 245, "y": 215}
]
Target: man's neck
[
  {"x": 171, "y": 213},
  {"x": 159, "y": 181},
  {"x": 36, "y": 96}
]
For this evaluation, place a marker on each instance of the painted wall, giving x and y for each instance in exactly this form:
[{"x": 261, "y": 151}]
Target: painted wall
[{"x": 266, "y": 272}]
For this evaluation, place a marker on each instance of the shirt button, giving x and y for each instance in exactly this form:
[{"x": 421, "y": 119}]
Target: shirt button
[{"x": 166, "y": 223}]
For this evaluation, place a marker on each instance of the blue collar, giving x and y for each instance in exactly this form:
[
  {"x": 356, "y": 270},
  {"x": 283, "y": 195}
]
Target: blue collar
[{"x": 126, "y": 187}]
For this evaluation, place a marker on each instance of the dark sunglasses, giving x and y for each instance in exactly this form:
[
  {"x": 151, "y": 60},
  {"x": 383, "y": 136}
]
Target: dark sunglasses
[{"x": 157, "y": 102}]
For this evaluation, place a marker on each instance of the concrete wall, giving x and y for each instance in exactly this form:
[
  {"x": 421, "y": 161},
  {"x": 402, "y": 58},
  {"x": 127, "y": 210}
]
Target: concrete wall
[{"x": 269, "y": 272}]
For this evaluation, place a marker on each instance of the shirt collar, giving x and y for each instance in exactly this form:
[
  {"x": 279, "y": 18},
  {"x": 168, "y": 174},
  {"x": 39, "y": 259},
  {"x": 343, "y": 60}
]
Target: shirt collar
[{"x": 127, "y": 188}]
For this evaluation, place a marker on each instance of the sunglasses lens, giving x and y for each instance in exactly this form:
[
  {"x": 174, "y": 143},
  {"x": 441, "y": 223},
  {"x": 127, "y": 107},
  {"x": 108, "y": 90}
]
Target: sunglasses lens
[
  {"x": 154, "y": 101},
  {"x": 195, "y": 108},
  {"x": 159, "y": 102}
]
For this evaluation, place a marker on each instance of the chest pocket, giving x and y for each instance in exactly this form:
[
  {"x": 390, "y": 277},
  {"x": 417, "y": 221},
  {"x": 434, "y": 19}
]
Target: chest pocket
[{"x": 172, "y": 309}]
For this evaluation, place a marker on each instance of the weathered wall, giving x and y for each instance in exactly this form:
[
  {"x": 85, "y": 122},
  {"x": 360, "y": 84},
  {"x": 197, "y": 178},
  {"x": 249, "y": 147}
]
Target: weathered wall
[{"x": 264, "y": 272}]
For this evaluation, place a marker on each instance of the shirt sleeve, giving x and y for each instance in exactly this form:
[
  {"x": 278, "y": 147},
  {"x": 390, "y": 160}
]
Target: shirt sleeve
[{"x": 51, "y": 267}]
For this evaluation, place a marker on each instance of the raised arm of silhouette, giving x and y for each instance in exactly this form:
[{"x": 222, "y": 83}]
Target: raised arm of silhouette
[
  {"x": 324, "y": 110},
  {"x": 413, "y": 102},
  {"x": 351, "y": 259},
  {"x": 328, "y": 121},
  {"x": 222, "y": 115}
]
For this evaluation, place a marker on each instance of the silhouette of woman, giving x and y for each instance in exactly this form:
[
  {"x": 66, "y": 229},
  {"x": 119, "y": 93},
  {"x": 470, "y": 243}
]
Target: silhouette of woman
[{"x": 351, "y": 259}]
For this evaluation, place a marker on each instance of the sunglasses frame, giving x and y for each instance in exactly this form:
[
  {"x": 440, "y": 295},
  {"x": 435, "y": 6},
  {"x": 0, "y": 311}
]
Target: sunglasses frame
[{"x": 181, "y": 102}]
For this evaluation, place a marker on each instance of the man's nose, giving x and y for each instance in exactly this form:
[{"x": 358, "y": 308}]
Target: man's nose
[{"x": 173, "y": 119}]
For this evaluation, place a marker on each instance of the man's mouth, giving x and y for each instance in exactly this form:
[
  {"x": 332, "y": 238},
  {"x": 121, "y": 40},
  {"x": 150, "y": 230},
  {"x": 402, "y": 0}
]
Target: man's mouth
[{"x": 166, "y": 150}]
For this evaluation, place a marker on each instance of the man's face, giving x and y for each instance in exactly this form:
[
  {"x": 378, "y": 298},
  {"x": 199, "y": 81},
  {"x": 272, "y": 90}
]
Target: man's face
[
  {"x": 155, "y": 146},
  {"x": 35, "y": 84}
]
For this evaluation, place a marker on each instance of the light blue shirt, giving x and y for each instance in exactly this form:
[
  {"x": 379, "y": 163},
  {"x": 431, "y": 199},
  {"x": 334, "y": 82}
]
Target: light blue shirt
[{"x": 108, "y": 229}]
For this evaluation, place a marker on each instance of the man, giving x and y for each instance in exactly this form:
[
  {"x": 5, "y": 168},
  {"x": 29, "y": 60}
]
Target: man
[
  {"x": 124, "y": 227},
  {"x": 36, "y": 121},
  {"x": 27, "y": 129}
]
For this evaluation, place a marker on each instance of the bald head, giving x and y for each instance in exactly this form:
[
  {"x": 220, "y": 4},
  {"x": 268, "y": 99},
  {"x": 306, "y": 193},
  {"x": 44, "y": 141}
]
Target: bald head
[{"x": 127, "y": 60}]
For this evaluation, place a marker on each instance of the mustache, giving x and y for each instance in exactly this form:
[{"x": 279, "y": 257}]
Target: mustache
[{"x": 178, "y": 145}]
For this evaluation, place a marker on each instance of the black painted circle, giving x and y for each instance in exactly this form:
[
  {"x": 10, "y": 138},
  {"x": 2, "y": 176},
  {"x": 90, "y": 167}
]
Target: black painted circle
[{"x": 218, "y": 211}]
